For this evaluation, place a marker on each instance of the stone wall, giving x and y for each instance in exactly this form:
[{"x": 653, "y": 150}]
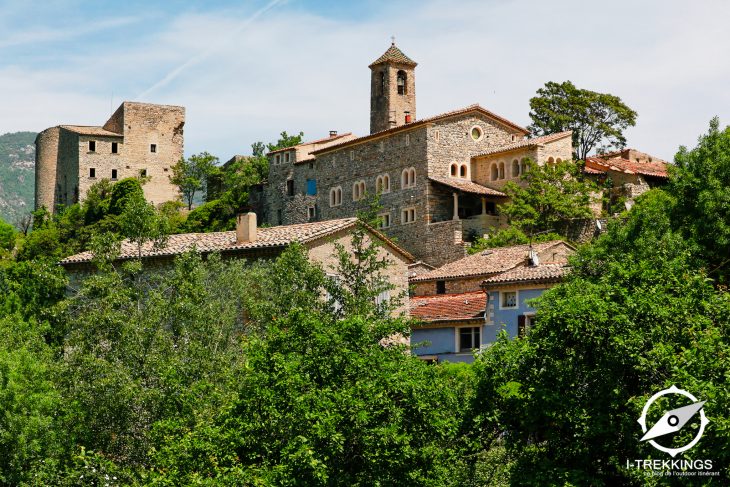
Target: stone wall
[
  {"x": 389, "y": 104},
  {"x": 67, "y": 174},
  {"x": 453, "y": 286},
  {"x": 46, "y": 161}
]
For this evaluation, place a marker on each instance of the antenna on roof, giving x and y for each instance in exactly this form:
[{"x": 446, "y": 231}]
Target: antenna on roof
[{"x": 392, "y": 40}]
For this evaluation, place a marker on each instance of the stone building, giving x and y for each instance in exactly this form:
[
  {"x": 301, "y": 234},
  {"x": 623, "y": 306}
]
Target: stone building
[
  {"x": 139, "y": 139},
  {"x": 464, "y": 305},
  {"x": 438, "y": 178}
]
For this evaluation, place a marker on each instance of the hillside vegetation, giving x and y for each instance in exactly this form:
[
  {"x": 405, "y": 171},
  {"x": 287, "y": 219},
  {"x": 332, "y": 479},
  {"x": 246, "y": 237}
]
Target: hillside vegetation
[{"x": 17, "y": 165}]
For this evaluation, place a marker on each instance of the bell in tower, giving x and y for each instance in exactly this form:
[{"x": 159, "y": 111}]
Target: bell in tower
[{"x": 392, "y": 90}]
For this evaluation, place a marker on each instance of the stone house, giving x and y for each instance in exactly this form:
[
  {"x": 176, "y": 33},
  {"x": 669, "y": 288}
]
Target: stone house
[
  {"x": 433, "y": 175},
  {"x": 462, "y": 306},
  {"x": 251, "y": 242},
  {"x": 139, "y": 139}
]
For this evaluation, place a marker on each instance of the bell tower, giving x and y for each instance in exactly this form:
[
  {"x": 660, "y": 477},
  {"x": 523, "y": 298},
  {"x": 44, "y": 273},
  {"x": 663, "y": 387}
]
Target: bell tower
[{"x": 392, "y": 90}]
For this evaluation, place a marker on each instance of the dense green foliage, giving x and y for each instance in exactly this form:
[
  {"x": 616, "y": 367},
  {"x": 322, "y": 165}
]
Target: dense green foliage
[
  {"x": 596, "y": 119},
  {"x": 191, "y": 175},
  {"x": 17, "y": 160}
]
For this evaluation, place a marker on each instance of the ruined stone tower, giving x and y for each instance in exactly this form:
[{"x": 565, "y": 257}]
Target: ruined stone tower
[{"x": 392, "y": 90}]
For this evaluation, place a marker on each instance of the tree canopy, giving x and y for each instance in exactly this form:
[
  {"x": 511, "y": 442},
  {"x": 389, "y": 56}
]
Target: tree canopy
[{"x": 596, "y": 119}]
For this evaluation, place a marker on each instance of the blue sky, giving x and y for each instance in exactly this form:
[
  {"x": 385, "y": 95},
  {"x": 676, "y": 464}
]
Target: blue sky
[{"x": 247, "y": 70}]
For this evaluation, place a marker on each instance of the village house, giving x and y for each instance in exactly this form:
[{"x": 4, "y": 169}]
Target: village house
[
  {"x": 251, "y": 242},
  {"x": 138, "y": 140},
  {"x": 462, "y": 306}
]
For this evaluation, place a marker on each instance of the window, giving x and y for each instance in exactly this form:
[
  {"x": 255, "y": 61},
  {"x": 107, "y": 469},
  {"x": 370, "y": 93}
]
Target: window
[
  {"x": 92, "y": 172},
  {"x": 277, "y": 159},
  {"x": 114, "y": 174},
  {"x": 463, "y": 171},
  {"x": 453, "y": 170},
  {"x": 352, "y": 155},
  {"x": 279, "y": 216},
  {"x": 384, "y": 220},
  {"x": 513, "y": 137},
  {"x": 382, "y": 184},
  {"x": 515, "y": 168},
  {"x": 311, "y": 165},
  {"x": 143, "y": 173},
  {"x": 381, "y": 146},
  {"x": 476, "y": 133},
  {"x": 469, "y": 338},
  {"x": 382, "y": 83},
  {"x": 558, "y": 160},
  {"x": 286, "y": 156},
  {"x": 153, "y": 148},
  {"x": 92, "y": 146},
  {"x": 436, "y": 135},
  {"x": 336, "y": 196},
  {"x": 495, "y": 172},
  {"x": 524, "y": 323},
  {"x": 358, "y": 190},
  {"x": 440, "y": 287},
  {"x": 115, "y": 148},
  {"x": 290, "y": 187},
  {"x": 408, "y": 178},
  {"x": 508, "y": 299},
  {"x": 311, "y": 213},
  {"x": 407, "y": 215},
  {"x": 501, "y": 170},
  {"x": 551, "y": 160},
  {"x": 408, "y": 140},
  {"x": 311, "y": 187},
  {"x": 401, "y": 82},
  {"x": 383, "y": 298},
  {"x": 523, "y": 166}
]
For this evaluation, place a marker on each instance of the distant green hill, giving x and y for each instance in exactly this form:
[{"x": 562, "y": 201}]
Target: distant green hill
[{"x": 17, "y": 174}]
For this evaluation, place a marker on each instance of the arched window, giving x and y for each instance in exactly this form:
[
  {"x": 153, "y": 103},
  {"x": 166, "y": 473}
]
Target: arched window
[
  {"x": 463, "y": 171},
  {"x": 401, "y": 82},
  {"x": 386, "y": 184},
  {"x": 358, "y": 190},
  {"x": 412, "y": 174},
  {"x": 495, "y": 172},
  {"x": 379, "y": 184},
  {"x": 336, "y": 196},
  {"x": 453, "y": 170},
  {"x": 523, "y": 165},
  {"x": 515, "y": 168},
  {"x": 501, "y": 170},
  {"x": 408, "y": 178},
  {"x": 551, "y": 160},
  {"x": 558, "y": 160},
  {"x": 339, "y": 195}
]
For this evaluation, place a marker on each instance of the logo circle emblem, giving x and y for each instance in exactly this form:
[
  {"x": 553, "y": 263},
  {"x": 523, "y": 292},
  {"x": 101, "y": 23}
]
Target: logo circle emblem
[{"x": 673, "y": 420}]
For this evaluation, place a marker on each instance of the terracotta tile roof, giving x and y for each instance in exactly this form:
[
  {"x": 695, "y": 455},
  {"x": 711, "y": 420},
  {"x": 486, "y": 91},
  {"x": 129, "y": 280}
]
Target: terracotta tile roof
[
  {"x": 448, "y": 307},
  {"x": 657, "y": 168},
  {"x": 311, "y": 142},
  {"x": 308, "y": 159},
  {"x": 590, "y": 170},
  {"x": 533, "y": 142},
  {"x": 267, "y": 237},
  {"x": 395, "y": 55},
  {"x": 467, "y": 186},
  {"x": 486, "y": 262},
  {"x": 525, "y": 273},
  {"x": 471, "y": 108},
  {"x": 90, "y": 130}
]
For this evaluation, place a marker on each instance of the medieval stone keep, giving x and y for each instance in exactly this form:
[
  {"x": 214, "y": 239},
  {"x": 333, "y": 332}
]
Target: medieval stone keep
[
  {"x": 439, "y": 178},
  {"x": 139, "y": 139}
]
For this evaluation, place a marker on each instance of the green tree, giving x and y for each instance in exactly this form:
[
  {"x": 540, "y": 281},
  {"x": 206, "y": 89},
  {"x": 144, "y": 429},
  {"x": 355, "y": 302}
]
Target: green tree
[
  {"x": 554, "y": 195},
  {"x": 7, "y": 236},
  {"x": 506, "y": 237},
  {"x": 141, "y": 223},
  {"x": 595, "y": 118},
  {"x": 190, "y": 175},
  {"x": 121, "y": 192},
  {"x": 285, "y": 140}
]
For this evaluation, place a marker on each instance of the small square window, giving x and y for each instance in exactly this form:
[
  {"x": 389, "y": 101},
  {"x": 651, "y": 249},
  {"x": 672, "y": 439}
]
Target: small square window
[
  {"x": 311, "y": 213},
  {"x": 311, "y": 165},
  {"x": 440, "y": 287},
  {"x": 509, "y": 299},
  {"x": 469, "y": 338},
  {"x": 384, "y": 220},
  {"x": 92, "y": 172},
  {"x": 114, "y": 174},
  {"x": 115, "y": 148},
  {"x": 153, "y": 148},
  {"x": 92, "y": 146},
  {"x": 143, "y": 173}
]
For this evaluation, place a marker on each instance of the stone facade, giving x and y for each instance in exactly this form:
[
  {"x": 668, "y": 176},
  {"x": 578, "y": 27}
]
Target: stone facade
[{"x": 138, "y": 139}]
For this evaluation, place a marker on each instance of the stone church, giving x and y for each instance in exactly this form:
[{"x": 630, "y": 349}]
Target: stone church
[{"x": 439, "y": 178}]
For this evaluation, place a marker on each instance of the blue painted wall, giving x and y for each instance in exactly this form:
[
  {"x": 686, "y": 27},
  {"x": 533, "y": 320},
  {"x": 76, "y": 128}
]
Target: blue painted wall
[{"x": 507, "y": 318}]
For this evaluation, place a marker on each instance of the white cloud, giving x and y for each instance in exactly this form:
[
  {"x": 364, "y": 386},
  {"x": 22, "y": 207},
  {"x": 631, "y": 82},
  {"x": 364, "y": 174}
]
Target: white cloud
[{"x": 293, "y": 71}]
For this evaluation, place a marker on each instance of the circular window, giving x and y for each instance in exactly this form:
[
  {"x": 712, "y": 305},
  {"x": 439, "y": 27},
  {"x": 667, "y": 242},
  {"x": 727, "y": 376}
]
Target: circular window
[{"x": 476, "y": 133}]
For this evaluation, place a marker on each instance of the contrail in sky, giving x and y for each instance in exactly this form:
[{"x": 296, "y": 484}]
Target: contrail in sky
[{"x": 204, "y": 54}]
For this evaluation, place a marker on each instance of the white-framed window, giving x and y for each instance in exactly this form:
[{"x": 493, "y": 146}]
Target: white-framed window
[
  {"x": 336, "y": 196},
  {"x": 352, "y": 155},
  {"x": 382, "y": 183},
  {"x": 468, "y": 338},
  {"x": 476, "y": 133},
  {"x": 508, "y": 299},
  {"x": 384, "y": 220},
  {"x": 358, "y": 190},
  {"x": 407, "y": 215},
  {"x": 408, "y": 139},
  {"x": 408, "y": 178}
]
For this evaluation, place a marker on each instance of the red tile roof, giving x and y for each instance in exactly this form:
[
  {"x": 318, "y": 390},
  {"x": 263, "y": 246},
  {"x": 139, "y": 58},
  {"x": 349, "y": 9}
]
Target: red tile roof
[
  {"x": 90, "y": 130},
  {"x": 657, "y": 168},
  {"x": 394, "y": 55},
  {"x": 467, "y": 186},
  {"x": 311, "y": 142},
  {"x": 486, "y": 262},
  {"x": 267, "y": 237},
  {"x": 448, "y": 307},
  {"x": 471, "y": 108},
  {"x": 534, "y": 142},
  {"x": 590, "y": 170},
  {"x": 525, "y": 273}
]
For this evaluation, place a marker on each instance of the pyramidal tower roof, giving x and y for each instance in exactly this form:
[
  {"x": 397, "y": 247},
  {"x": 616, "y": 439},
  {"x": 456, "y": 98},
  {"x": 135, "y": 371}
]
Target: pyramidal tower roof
[{"x": 394, "y": 55}]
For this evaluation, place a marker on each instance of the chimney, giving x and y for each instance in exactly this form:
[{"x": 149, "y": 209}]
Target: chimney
[
  {"x": 333, "y": 133},
  {"x": 246, "y": 228}
]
